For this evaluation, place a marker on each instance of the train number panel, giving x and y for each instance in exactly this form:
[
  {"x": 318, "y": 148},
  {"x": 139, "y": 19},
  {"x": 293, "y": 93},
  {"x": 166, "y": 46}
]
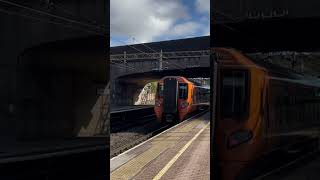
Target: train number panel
[
  {"x": 177, "y": 97},
  {"x": 260, "y": 108}
]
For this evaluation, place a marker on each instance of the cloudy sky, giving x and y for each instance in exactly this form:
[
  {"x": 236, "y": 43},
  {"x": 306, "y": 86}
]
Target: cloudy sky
[{"x": 140, "y": 21}]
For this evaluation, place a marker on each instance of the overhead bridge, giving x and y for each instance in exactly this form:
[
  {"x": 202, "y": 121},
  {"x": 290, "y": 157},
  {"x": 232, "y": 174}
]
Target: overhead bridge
[
  {"x": 158, "y": 55},
  {"x": 133, "y": 66},
  {"x": 143, "y": 68}
]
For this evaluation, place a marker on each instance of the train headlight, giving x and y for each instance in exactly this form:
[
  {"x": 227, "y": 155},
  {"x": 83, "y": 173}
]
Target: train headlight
[
  {"x": 239, "y": 137},
  {"x": 184, "y": 104}
]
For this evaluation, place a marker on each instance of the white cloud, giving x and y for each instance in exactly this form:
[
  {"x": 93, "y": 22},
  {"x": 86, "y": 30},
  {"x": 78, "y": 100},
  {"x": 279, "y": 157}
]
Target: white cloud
[
  {"x": 145, "y": 20},
  {"x": 203, "y": 6},
  {"x": 114, "y": 43},
  {"x": 185, "y": 29},
  {"x": 207, "y": 30}
]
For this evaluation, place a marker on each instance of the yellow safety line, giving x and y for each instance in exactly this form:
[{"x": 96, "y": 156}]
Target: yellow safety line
[
  {"x": 175, "y": 158},
  {"x": 135, "y": 165}
]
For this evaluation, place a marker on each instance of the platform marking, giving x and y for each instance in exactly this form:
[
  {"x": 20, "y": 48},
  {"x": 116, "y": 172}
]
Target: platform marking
[
  {"x": 135, "y": 165},
  {"x": 175, "y": 158},
  {"x": 158, "y": 135}
]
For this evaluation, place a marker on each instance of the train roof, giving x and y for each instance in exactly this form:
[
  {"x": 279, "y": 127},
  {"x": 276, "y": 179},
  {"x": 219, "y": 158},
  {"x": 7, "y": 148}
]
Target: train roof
[{"x": 178, "y": 77}]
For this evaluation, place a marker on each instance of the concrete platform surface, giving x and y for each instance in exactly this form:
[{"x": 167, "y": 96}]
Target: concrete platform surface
[{"x": 181, "y": 152}]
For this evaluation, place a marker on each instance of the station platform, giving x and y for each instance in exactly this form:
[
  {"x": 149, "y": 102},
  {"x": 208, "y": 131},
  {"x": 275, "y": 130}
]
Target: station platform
[
  {"x": 117, "y": 109},
  {"x": 181, "y": 152}
]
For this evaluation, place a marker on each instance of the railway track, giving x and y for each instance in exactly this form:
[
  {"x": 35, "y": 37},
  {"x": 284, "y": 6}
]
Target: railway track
[
  {"x": 124, "y": 120},
  {"x": 124, "y": 125},
  {"x": 115, "y": 152}
]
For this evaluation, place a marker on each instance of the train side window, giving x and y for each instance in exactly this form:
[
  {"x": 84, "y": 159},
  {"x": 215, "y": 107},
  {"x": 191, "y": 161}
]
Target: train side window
[
  {"x": 234, "y": 94},
  {"x": 317, "y": 93},
  {"x": 194, "y": 95},
  {"x": 160, "y": 90},
  {"x": 183, "y": 91}
]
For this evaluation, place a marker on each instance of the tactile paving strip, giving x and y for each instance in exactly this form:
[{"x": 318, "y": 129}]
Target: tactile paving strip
[
  {"x": 158, "y": 146},
  {"x": 172, "y": 140}
]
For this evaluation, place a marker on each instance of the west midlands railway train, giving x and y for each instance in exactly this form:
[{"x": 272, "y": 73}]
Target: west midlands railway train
[
  {"x": 177, "y": 98},
  {"x": 260, "y": 109}
]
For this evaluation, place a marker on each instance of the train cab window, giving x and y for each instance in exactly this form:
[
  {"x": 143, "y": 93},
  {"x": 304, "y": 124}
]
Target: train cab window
[
  {"x": 234, "y": 94},
  {"x": 160, "y": 90},
  {"x": 183, "y": 91},
  {"x": 317, "y": 93}
]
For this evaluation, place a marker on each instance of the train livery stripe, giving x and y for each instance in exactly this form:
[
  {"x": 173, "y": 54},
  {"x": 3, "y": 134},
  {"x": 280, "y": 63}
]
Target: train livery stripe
[{"x": 175, "y": 158}]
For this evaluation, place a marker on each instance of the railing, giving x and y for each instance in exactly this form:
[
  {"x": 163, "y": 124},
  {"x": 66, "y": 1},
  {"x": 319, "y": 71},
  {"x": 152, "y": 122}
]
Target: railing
[{"x": 158, "y": 55}]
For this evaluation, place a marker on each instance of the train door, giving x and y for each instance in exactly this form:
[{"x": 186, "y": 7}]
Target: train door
[
  {"x": 183, "y": 94},
  {"x": 194, "y": 96},
  {"x": 170, "y": 104},
  {"x": 159, "y": 93}
]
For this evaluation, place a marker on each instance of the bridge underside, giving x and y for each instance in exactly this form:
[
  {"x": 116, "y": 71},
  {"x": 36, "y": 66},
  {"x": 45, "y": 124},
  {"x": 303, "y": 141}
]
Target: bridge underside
[
  {"x": 56, "y": 89},
  {"x": 47, "y": 49},
  {"x": 128, "y": 87},
  {"x": 276, "y": 34},
  {"x": 146, "y": 77}
]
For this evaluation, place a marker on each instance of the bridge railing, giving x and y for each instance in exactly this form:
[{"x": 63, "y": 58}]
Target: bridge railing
[{"x": 158, "y": 55}]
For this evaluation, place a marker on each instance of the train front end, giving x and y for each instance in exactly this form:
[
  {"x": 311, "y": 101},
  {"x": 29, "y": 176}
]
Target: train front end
[
  {"x": 166, "y": 104},
  {"x": 172, "y": 99}
]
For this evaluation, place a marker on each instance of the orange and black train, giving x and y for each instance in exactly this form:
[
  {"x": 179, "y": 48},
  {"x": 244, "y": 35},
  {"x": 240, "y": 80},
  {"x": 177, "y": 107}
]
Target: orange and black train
[
  {"x": 177, "y": 98},
  {"x": 261, "y": 109}
]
